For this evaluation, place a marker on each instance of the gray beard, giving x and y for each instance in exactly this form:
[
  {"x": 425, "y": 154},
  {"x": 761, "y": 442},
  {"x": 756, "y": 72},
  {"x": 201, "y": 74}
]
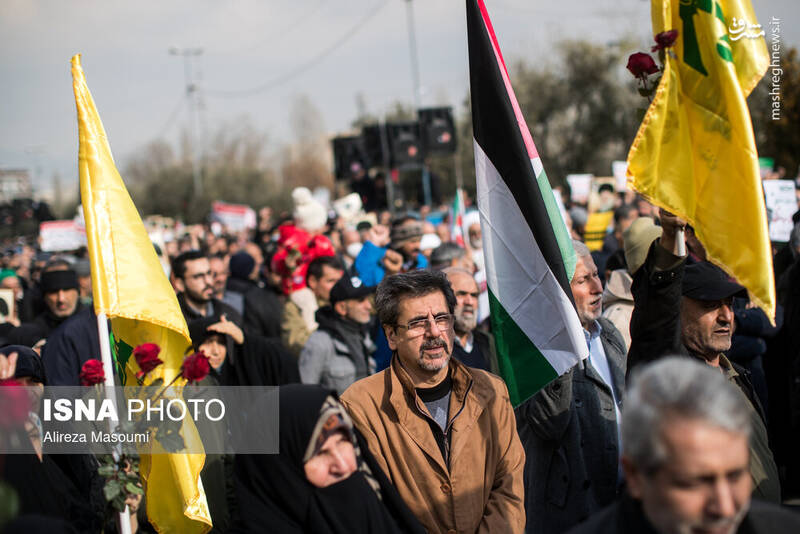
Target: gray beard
[{"x": 463, "y": 325}]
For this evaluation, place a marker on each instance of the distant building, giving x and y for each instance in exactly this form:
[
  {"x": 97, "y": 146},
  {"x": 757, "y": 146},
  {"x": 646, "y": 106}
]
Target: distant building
[{"x": 14, "y": 184}]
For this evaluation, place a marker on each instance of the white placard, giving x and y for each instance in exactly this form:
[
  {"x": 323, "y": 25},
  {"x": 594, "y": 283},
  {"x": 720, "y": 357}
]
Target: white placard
[
  {"x": 236, "y": 217},
  {"x": 59, "y": 236},
  {"x": 581, "y": 186},
  {"x": 781, "y": 201},
  {"x": 619, "y": 170}
]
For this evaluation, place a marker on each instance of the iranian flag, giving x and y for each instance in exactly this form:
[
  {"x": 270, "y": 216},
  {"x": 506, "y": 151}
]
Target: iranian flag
[{"x": 529, "y": 254}]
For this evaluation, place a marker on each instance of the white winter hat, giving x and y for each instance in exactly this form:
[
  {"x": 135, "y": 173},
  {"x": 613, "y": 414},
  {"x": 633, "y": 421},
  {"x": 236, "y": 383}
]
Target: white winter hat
[{"x": 309, "y": 214}]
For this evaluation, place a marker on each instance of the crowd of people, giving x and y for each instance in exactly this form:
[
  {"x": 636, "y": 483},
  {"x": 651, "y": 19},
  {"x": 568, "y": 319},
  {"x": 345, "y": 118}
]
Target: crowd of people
[{"x": 393, "y": 416}]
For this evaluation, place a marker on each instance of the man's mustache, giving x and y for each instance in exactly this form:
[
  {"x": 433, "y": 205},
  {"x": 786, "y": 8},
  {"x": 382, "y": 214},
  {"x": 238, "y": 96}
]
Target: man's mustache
[{"x": 434, "y": 344}]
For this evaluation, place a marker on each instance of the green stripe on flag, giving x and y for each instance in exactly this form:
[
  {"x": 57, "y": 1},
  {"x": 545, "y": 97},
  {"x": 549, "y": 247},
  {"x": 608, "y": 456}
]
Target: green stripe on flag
[
  {"x": 559, "y": 227},
  {"x": 521, "y": 364}
]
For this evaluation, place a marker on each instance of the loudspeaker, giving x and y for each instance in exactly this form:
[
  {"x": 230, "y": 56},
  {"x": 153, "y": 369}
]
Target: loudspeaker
[
  {"x": 373, "y": 144},
  {"x": 438, "y": 130},
  {"x": 347, "y": 152},
  {"x": 405, "y": 145}
]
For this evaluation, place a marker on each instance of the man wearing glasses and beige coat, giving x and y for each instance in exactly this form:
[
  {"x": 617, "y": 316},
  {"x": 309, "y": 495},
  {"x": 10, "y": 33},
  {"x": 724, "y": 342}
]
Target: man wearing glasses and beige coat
[{"x": 445, "y": 434}]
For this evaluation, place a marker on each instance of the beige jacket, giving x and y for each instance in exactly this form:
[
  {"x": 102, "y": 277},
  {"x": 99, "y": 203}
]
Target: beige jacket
[
  {"x": 297, "y": 321},
  {"x": 481, "y": 490}
]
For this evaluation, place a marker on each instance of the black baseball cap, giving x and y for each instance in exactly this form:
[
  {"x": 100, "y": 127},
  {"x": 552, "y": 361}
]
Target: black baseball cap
[
  {"x": 705, "y": 281},
  {"x": 349, "y": 287}
]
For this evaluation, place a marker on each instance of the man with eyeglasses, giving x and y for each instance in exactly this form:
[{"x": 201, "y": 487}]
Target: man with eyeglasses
[
  {"x": 194, "y": 283},
  {"x": 444, "y": 433}
]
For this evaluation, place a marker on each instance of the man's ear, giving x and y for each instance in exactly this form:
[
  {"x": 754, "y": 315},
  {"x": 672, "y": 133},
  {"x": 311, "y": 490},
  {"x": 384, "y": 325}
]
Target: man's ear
[
  {"x": 340, "y": 308},
  {"x": 633, "y": 477},
  {"x": 179, "y": 285},
  {"x": 391, "y": 336}
]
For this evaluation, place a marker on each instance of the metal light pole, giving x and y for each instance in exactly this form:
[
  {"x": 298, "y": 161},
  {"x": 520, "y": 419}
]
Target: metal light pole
[
  {"x": 194, "y": 108},
  {"x": 412, "y": 45}
]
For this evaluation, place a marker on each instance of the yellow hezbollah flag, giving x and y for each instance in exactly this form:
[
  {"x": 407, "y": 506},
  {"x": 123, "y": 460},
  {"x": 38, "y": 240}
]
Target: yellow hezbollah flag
[
  {"x": 130, "y": 287},
  {"x": 695, "y": 154}
]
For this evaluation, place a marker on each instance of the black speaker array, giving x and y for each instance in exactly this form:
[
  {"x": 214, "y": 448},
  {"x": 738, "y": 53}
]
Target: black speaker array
[
  {"x": 348, "y": 151},
  {"x": 407, "y": 142},
  {"x": 438, "y": 130}
]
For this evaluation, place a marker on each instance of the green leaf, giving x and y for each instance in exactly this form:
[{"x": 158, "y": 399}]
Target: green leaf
[
  {"x": 106, "y": 470},
  {"x": 119, "y": 502},
  {"x": 133, "y": 488},
  {"x": 9, "y": 503},
  {"x": 112, "y": 489}
]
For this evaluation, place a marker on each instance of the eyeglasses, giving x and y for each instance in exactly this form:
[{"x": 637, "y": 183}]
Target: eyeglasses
[{"x": 418, "y": 327}]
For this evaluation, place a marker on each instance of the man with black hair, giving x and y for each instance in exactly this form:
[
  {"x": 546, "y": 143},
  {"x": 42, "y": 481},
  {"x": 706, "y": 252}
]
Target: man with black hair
[
  {"x": 339, "y": 352},
  {"x": 298, "y": 319},
  {"x": 194, "y": 283},
  {"x": 443, "y": 433}
]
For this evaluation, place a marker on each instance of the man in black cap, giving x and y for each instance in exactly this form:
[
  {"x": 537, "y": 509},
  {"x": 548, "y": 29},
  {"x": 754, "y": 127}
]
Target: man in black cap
[
  {"x": 686, "y": 309},
  {"x": 59, "y": 285},
  {"x": 338, "y": 352}
]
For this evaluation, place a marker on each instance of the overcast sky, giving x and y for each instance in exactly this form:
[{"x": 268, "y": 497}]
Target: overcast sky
[{"x": 327, "y": 50}]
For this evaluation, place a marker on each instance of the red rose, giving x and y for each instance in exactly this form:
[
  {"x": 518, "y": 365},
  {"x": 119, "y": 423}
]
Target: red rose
[
  {"x": 92, "y": 373},
  {"x": 641, "y": 64},
  {"x": 665, "y": 40},
  {"x": 15, "y": 404},
  {"x": 195, "y": 367},
  {"x": 147, "y": 358}
]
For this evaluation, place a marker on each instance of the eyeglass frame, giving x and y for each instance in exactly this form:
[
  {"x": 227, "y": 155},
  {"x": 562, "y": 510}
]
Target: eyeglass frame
[{"x": 427, "y": 322}]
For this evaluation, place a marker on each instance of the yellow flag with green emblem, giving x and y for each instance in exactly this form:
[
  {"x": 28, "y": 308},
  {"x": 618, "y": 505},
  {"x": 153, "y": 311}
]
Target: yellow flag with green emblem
[
  {"x": 695, "y": 154},
  {"x": 130, "y": 287}
]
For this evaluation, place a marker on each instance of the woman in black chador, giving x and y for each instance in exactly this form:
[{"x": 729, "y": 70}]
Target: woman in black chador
[{"x": 323, "y": 481}]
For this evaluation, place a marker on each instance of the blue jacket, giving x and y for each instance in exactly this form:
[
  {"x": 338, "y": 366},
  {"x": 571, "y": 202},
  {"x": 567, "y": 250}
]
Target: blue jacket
[{"x": 369, "y": 263}]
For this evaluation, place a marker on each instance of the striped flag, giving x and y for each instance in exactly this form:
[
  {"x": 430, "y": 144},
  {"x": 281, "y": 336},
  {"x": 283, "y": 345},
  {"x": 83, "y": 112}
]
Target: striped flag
[
  {"x": 529, "y": 255},
  {"x": 457, "y": 218}
]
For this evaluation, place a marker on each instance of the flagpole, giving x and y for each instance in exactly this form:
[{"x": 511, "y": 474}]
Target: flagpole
[
  {"x": 680, "y": 243},
  {"x": 124, "y": 517}
]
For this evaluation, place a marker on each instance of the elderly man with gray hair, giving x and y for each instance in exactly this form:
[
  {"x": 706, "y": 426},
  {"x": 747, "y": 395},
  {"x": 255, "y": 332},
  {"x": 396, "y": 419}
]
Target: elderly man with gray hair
[
  {"x": 570, "y": 429},
  {"x": 685, "y": 433}
]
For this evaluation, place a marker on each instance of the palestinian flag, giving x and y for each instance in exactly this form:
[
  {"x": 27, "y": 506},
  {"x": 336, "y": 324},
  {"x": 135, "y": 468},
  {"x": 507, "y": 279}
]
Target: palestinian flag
[{"x": 529, "y": 255}]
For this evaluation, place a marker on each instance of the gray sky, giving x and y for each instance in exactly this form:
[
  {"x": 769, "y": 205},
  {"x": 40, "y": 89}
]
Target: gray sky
[{"x": 353, "y": 46}]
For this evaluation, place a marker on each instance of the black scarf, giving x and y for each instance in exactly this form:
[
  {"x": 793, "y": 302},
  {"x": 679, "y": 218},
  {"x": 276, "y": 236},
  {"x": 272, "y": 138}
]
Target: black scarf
[
  {"x": 348, "y": 332},
  {"x": 275, "y": 496}
]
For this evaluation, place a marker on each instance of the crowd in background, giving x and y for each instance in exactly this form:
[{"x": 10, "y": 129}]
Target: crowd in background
[{"x": 294, "y": 301}]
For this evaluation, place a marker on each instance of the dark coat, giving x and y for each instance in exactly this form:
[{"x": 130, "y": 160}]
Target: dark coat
[
  {"x": 69, "y": 346},
  {"x": 656, "y": 332},
  {"x": 569, "y": 432},
  {"x": 49, "y": 322},
  {"x": 482, "y": 356},
  {"x": 626, "y": 517},
  {"x": 261, "y": 308}
]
